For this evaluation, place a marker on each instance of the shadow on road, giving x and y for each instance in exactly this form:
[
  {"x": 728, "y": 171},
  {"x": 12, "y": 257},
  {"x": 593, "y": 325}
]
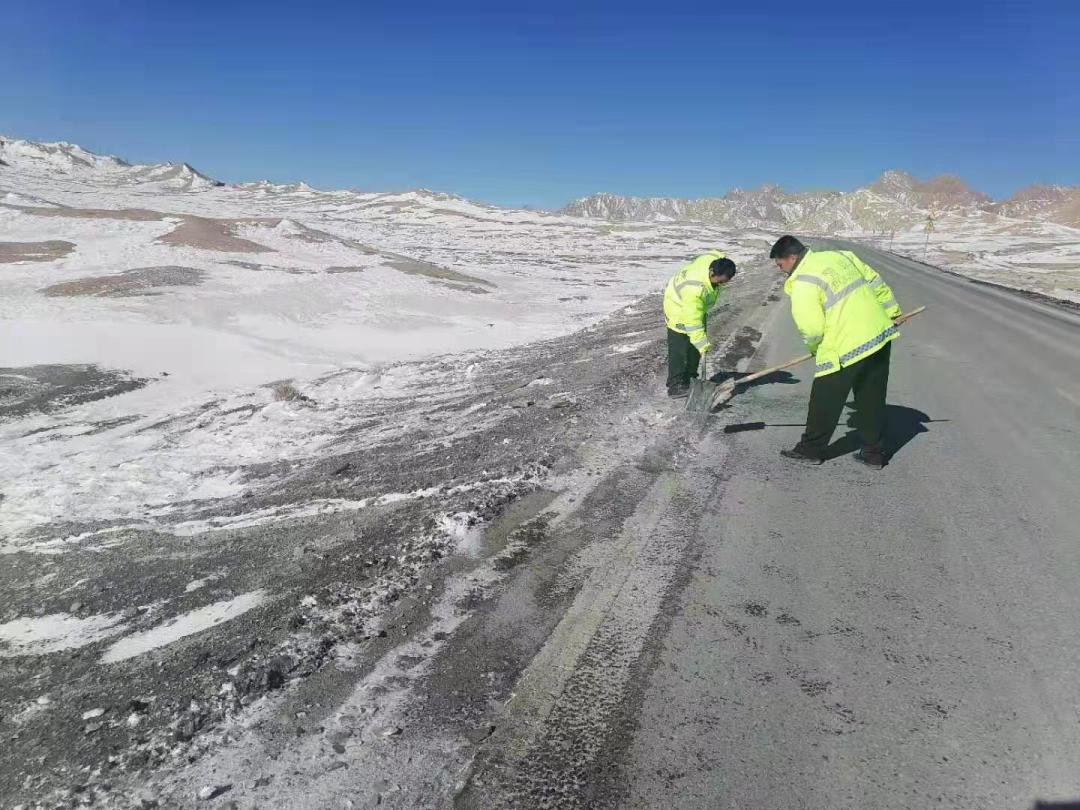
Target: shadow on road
[
  {"x": 1056, "y": 805},
  {"x": 781, "y": 377},
  {"x": 902, "y": 425},
  {"x": 743, "y": 427}
]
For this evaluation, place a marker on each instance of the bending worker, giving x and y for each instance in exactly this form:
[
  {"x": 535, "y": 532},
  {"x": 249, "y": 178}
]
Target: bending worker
[
  {"x": 844, "y": 311},
  {"x": 689, "y": 296}
]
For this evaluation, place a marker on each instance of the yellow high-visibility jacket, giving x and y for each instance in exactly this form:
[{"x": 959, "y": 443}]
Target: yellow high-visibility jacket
[
  {"x": 689, "y": 296},
  {"x": 842, "y": 308}
]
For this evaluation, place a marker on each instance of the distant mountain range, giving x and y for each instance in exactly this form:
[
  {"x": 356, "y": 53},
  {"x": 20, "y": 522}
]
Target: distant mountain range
[
  {"x": 895, "y": 201},
  {"x": 69, "y": 158}
]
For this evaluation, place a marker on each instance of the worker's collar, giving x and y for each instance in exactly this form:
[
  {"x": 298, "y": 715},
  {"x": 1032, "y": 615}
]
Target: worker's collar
[{"x": 794, "y": 271}]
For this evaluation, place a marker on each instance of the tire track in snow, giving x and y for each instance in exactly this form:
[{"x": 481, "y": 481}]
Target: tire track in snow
[{"x": 568, "y": 706}]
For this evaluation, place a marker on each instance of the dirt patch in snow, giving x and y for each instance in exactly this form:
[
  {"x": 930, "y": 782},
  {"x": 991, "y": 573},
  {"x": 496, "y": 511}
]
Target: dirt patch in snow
[
  {"x": 132, "y": 214},
  {"x": 462, "y": 281},
  {"x": 295, "y": 271},
  {"x": 469, "y": 288},
  {"x": 314, "y": 236},
  {"x": 214, "y": 234},
  {"x": 267, "y": 268},
  {"x": 403, "y": 264},
  {"x": 11, "y": 252},
  {"x": 204, "y": 233},
  {"x": 140, "y": 281},
  {"x": 44, "y": 389},
  {"x": 1046, "y": 266},
  {"x": 295, "y": 231},
  {"x": 249, "y": 265}
]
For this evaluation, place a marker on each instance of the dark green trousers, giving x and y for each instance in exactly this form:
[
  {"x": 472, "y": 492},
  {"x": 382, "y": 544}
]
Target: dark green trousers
[
  {"x": 868, "y": 380},
  {"x": 682, "y": 359}
]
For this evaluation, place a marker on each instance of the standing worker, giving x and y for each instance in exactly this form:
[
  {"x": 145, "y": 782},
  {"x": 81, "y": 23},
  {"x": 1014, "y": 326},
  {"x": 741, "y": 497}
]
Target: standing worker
[
  {"x": 689, "y": 296},
  {"x": 844, "y": 311}
]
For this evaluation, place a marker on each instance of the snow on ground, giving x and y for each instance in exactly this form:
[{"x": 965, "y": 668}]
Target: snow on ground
[
  {"x": 206, "y": 295},
  {"x": 55, "y": 632},
  {"x": 227, "y": 607},
  {"x": 1042, "y": 257},
  {"x": 182, "y": 626}
]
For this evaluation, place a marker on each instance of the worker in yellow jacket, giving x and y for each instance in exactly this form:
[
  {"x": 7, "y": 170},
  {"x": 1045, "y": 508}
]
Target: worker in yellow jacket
[
  {"x": 844, "y": 311},
  {"x": 688, "y": 297}
]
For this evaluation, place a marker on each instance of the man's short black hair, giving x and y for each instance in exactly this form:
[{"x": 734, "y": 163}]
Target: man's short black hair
[
  {"x": 787, "y": 246},
  {"x": 722, "y": 267}
]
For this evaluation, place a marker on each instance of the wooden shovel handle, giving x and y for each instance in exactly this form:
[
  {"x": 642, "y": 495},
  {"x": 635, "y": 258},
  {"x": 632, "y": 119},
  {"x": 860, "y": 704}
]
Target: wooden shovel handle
[
  {"x": 765, "y": 372},
  {"x": 907, "y": 316},
  {"x": 803, "y": 358}
]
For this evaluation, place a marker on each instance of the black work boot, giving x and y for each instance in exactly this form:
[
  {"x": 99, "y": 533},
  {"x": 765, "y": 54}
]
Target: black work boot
[
  {"x": 678, "y": 391},
  {"x": 871, "y": 457},
  {"x": 798, "y": 454}
]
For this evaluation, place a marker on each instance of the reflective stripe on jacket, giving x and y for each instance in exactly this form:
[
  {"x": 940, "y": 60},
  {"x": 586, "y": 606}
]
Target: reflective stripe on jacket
[
  {"x": 689, "y": 296},
  {"x": 842, "y": 308}
]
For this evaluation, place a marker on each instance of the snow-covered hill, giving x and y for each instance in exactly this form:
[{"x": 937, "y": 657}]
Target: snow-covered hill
[
  {"x": 72, "y": 161},
  {"x": 893, "y": 202},
  {"x": 896, "y": 200},
  {"x": 1060, "y": 204}
]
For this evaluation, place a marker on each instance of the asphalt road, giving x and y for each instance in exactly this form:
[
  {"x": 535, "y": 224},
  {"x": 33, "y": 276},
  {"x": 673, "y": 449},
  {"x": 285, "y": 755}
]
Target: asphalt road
[{"x": 908, "y": 638}]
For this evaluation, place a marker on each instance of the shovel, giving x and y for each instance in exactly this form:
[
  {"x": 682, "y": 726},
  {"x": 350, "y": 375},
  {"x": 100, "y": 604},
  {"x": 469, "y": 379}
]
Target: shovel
[
  {"x": 721, "y": 393},
  {"x": 701, "y": 391}
]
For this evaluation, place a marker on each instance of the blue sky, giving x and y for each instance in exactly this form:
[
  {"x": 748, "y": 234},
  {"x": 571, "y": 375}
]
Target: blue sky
[{"x": 537, "y": 103}]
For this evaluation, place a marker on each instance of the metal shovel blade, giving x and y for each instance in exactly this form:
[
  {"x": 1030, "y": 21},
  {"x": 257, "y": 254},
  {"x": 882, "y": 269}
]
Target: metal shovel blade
[
  {"x": 701, "y": 396},
  {"x": 724, "y": 391}
]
